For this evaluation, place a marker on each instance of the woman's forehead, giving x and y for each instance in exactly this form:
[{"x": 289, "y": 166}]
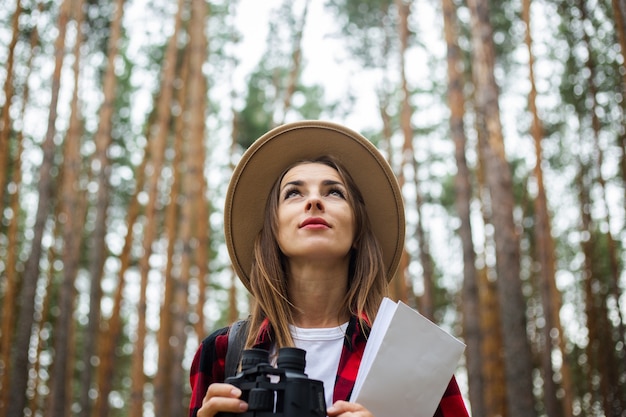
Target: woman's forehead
[{"x": 311, "y": 171}]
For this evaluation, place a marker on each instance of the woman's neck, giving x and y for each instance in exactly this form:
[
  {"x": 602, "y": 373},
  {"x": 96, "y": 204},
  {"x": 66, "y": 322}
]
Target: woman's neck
[{"x": 318, "y": 296}]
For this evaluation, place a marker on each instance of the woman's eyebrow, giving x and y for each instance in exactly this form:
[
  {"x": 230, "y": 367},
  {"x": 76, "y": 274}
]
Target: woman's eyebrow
[
  {"x": 294, "y": 182},
  {"x": 332, "y": 182}
]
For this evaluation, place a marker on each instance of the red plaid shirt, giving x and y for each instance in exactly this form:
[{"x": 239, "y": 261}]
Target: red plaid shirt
[{"x": 209, "y": 362}]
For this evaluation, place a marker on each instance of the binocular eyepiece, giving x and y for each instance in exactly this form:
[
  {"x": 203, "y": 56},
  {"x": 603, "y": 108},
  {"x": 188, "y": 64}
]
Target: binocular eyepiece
[{"x": 284, "y": 390}]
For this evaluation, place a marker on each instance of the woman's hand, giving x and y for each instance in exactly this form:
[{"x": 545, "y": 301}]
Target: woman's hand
[
  {"x": 222, "y": 398},
  {"x": 346, "y": 409}
]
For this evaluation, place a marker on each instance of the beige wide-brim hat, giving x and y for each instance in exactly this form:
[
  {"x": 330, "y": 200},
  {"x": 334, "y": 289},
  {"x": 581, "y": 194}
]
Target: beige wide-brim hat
[{"x": 267, "y": 158}]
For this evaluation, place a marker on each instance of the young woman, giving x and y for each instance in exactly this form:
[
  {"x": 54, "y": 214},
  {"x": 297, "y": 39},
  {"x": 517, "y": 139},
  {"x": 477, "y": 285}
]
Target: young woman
[{"x": 314, "y": 224}]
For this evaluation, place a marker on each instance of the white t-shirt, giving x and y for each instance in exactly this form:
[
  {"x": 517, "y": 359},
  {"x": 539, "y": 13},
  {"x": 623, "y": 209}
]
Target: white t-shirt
[{"x": 323, "y": 351}]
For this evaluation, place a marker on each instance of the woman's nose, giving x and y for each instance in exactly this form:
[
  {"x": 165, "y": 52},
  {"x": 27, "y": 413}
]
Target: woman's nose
[{"x": 314, "y": 202}]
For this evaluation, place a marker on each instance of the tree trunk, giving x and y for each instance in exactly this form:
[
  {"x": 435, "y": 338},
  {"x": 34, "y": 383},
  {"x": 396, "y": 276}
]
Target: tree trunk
[
  {"x": 101, "y": 173},
  {"x": 233, "y": 311},
  {"x": 399, "y": 284},
  {"x": 614, "y": 403},
  {"x": 5, "y": 120},
  {"x": 7, "y": 313},
  {"x": 619, "y": 15},
  {"x": 162, "y": 391},
  {"x": 71, "y": 218},
  {"x": 550, "y": 296},
  {"x": 45, "y": 186},
  {"x": 157, "y": 144},
  {"x": 426, "y": 304},
  {"x": 49, "y": 299},
  {"x": 494, "y": 378},
  {"x": 12, "y": 277},
  {"x": 498, "y": 175},
  {"x": 619, "y": 12},
  {"x": 471, "y": 303},
  {"x": 597, "y": 371},
  {"x": 112, "y": 330},
  {"x": 296, "y": 55},
  {"x": 193, "y": 192},
  {"x": 492, "y": 346},
  {"x": 592, "y": 92},
  {"x": 203, "y": 227},
  {"x": 35, "y": 403}
]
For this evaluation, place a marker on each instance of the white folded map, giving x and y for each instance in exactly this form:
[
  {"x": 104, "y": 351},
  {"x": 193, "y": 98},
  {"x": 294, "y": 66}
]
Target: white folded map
[{"x": 407, "y": 364}]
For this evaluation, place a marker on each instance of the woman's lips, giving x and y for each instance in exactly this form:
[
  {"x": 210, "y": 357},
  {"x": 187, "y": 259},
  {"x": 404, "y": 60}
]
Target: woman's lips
[{"x": 314, "y": 223}]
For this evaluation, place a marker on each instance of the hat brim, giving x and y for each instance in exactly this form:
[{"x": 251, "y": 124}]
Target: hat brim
[{"x": 285, "y": 145}]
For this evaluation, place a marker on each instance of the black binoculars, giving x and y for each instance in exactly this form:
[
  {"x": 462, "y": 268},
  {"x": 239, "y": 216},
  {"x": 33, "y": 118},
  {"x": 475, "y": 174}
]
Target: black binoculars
[{"x": 284, "y": 390}]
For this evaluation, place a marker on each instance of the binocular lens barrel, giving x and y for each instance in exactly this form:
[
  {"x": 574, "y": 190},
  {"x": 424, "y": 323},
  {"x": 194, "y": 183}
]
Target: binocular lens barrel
[
  {"x": 292, "y": 359},
  {"x": 252, "y": 357}
]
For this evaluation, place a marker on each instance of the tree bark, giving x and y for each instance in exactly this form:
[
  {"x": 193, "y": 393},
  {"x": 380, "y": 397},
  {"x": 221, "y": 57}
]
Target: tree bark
[
  {"x": 5, "y": 120},
  {"x": 233, "y": 311},
  {"x": 619, "y": 15},
  {"x": 7, "y": 313},
  {"x": 517, "y": 352},
  {"x": 193, "y": 192},
  {"x": 162, "y": 381},
  {"x": 157, "y": 144},
  {"x": 470, "y": 292},
  {"x": 12, "y": 277},
  {"x": 296, "y": 55},
  {"x": 492, "y": 346},
  {"x": 427, "y": 305},
  {"x": 592, "y": 92},
  {"x": 70, "y": 218},
  {"x": 613, "y": 400},
  {"x": 619, "y": 12},
  {"x": 203, "y": 228},
  {"x": 101, "y": 172},
  {"x": 550, "y": 296},
  {"x": 112, "y": 329},
  {"x": 598, "y": 363},
  {"x": 45, "y": 186}
]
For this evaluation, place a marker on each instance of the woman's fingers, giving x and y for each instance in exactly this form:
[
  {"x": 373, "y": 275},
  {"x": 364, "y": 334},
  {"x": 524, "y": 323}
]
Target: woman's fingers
[
  {"x": 222, "y": 398},
  {"x": 346, "y": 409}
]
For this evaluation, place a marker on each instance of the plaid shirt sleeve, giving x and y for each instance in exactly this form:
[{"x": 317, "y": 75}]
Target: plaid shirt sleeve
[{"x": 207, "y": 367}]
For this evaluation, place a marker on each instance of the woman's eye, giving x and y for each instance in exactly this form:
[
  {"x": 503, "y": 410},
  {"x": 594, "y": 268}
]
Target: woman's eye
[
  {"x": 291, "y": 193},
  {"x": 337, "y": 193}
]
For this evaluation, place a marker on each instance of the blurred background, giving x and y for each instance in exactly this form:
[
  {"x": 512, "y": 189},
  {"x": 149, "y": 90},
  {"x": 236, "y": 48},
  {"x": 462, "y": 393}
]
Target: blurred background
[{"x": 121, "y": 122}]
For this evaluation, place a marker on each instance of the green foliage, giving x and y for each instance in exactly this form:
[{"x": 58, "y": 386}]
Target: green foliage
[
  {"x": 124, "y": 141},
  {"x": 361, "y": 15},
  {"x": 364, "y": 24},
  {"x": 447, "y": 198},
  {"x": 256, "y": 118},
  {"x": 507, "y": 29}
]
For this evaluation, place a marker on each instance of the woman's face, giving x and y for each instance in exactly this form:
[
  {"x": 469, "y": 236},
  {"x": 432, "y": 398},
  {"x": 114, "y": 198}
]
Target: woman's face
[{"x": 315, "y": 220}]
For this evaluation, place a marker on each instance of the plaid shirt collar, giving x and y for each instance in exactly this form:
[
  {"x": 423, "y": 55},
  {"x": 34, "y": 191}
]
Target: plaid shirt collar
[{"x": 351, "y": 354}]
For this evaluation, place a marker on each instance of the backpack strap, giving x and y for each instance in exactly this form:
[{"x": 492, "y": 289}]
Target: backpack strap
[{"x": 237, "y": 335}]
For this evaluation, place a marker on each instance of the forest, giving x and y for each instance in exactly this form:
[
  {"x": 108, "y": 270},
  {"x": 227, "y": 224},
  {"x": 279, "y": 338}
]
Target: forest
[{"x": 121, "y": 121}]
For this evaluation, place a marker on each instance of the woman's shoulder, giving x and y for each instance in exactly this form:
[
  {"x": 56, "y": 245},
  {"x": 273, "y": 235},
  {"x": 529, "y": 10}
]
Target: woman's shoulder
[
  {"x": 216, "y": 341},
  {"x": 212, "y": 337},
  {"x": 212, "y": 348}
]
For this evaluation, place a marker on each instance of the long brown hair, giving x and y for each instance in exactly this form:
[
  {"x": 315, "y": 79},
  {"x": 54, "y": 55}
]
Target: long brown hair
[{"x": 367, "y": 284}]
